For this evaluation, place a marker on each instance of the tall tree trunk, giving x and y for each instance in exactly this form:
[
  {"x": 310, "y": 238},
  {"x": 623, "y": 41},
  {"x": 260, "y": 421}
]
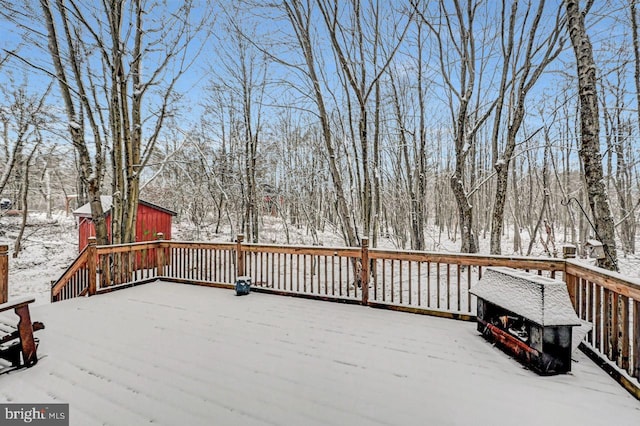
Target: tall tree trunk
[
  {"x": 24, "y": 195},
  {"x": 636, "y": 53},
  {"x": 468, "y": 237},
  {"x": 523, "y": 79},
  {"x": 590, "y": 132},
  {"x": 90, "y": 174},
  {"x": 421, "y": 173}
]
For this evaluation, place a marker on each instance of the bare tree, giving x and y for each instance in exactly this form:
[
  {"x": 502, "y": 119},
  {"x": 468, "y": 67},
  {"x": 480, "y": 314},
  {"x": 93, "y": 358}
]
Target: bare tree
[
  {"x": 243, "y": 74},
  {"x": 24, "y": 194},
  {"x": 590, "y": 132},
  {"x": 524, "y": 60},
  {"x": 45, "y": 185},
  {"x": 76, "y": 101},
  {"x": 618, "y": 133},
  {"x": 113, "y": 57},
  {"x": 636, "y": 52},
  {"x": 299, "y": 16},
  {"x": 415, "y": 177},
  {"x": 20, "y": 119},
  {"x": 453, "y": 26},
  {"x": 357, "y": 43}
]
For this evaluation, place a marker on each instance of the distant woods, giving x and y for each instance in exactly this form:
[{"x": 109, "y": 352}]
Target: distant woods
[{"x": 414, "y": 121}]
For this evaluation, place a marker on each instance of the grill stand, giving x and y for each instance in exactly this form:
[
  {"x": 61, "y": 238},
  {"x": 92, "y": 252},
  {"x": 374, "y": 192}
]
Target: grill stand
[{"x": 546, "y": 350}]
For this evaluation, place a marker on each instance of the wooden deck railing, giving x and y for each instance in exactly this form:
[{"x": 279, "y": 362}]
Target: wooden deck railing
[
  {"x": 199, "y": 263},
  {"x": 437, "y": 283},
  {"x": 310, "y": 271},
  {"x": 420, "y": 282},
  {"x": 74, "y": 282},
  {"x": 611, "y": 303},
  {"x": 4, "y": 273}
]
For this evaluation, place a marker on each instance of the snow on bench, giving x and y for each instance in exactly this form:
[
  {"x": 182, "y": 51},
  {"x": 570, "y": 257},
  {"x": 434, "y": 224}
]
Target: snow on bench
[{"x": 19, "y": 340}]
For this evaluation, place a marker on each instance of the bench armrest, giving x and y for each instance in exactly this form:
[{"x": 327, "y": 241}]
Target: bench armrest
[
  {"x": 24, "y": 330},
  {"x": 16, "y": 303}
]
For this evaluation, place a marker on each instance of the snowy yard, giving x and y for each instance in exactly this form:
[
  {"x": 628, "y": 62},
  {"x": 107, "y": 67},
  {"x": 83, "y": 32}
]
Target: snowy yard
[{"x": 173, "y": 354}]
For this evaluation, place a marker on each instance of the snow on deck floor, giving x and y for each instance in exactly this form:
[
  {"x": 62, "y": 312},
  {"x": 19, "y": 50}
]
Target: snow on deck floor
[{"x": 172, "y": 354}]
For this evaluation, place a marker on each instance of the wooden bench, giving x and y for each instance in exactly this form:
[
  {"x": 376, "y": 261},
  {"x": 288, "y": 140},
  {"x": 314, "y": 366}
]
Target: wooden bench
[{"x": 18, "y": 340}]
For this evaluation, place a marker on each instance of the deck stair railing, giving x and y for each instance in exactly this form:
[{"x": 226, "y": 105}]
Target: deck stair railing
[
  {"x": 413, "y": 281},
  {"x": 74, "y": 282}
]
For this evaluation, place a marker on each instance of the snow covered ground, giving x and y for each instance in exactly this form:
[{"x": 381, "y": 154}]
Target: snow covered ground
[
  {"x": 175, "y": 354},
  {"x": 50, "y": 245}
]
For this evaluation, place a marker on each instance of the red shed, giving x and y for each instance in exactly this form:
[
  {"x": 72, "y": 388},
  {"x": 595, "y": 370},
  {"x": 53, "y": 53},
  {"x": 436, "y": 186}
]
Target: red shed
[{"x": 152, "y": 219}]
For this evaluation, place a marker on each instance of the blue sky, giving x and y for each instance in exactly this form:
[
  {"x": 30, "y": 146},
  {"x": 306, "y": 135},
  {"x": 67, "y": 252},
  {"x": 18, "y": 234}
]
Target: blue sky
[{"x": 218, "y": 55}]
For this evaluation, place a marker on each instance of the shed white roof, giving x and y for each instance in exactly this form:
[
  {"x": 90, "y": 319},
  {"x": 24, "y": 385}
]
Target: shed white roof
[{"x": 85, "y": 210}]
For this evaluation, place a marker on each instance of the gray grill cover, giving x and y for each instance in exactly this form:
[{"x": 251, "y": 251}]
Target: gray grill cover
[{"x": 542, "y": 300}]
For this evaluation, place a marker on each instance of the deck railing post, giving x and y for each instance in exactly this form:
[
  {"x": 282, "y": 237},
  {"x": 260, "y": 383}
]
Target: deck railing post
[
  {"x": 4, "y": 273},
  {"x": 364, "y": 271},
  {"x": 572, "y": 287},
  {"x": 160, "y": 256},
  {"x": 636, "y": 339},
  {"x": 239, "y": 256},
  {"x": 569, "y": 252},
  {"x": 92, "y": 259}
]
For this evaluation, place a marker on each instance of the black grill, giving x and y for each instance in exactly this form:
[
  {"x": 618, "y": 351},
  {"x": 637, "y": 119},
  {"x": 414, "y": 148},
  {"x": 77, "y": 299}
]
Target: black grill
[{"x": 530, "y": 317}]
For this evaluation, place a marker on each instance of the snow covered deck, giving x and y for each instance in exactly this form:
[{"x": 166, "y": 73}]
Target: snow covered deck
[{"x": 172, "y": 354}]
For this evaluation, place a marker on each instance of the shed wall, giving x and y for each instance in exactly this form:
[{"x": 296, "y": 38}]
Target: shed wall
[{"x": 149, "y": 223}]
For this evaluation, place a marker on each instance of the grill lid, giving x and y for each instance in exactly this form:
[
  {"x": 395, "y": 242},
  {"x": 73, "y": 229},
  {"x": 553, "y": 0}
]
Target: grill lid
[{"x": 542, "y": 300}]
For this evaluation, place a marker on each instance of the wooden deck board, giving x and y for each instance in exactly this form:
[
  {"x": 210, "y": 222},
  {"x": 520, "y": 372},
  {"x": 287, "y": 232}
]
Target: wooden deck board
[{"x": 179, "y": 354}]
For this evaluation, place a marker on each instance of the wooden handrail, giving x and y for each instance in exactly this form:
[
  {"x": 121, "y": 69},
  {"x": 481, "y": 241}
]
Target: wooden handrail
[
  {"x": 190, "y": 244},
  {"x": 80, "y": 262},
  {"x": 310, "y": 250},
  {"x": 519, "y": 262},
  {"x": 610, "y": 280},
  {"x": 123, "y": 248}
]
